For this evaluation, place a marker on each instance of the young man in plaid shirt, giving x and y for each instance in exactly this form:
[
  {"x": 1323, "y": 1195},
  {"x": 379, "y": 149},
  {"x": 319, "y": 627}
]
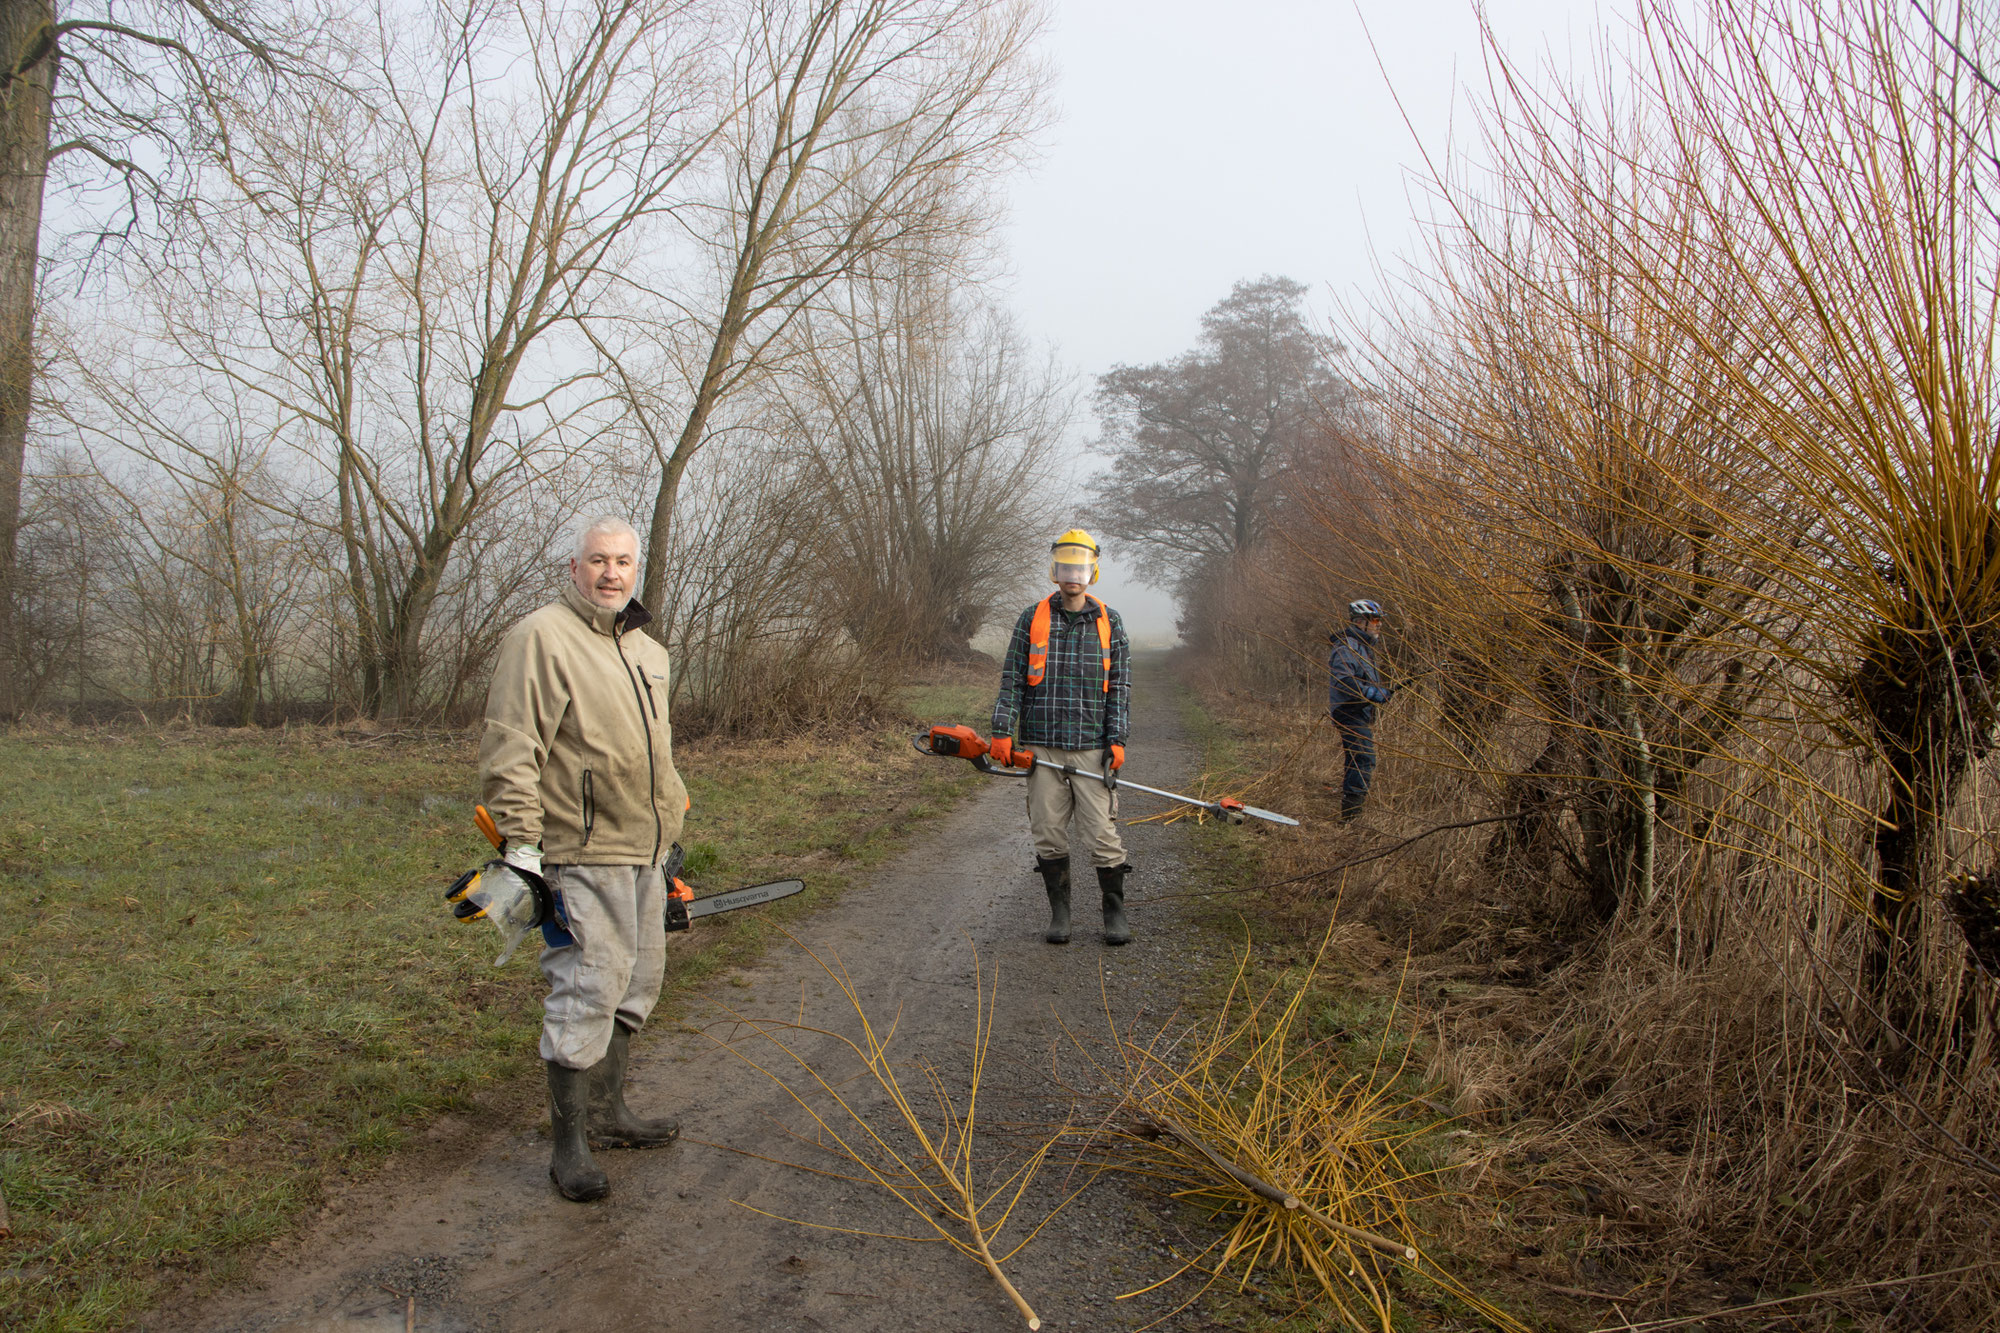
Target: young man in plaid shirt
[{"x": 1066, "y": 694}]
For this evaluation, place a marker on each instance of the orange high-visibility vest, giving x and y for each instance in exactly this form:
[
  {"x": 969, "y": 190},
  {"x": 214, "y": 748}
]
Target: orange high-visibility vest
[{"x": 1038, "y": 641}]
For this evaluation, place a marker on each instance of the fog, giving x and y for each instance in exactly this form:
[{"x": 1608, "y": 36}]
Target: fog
[{"x": 1196, "y": 147}]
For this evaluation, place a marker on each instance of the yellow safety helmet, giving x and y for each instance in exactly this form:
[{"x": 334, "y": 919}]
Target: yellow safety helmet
[{"x": 1074, "y": 548}]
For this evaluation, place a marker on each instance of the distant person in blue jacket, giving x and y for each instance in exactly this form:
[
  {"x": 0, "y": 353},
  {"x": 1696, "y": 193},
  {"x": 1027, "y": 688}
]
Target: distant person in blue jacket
[{"x": 1354, "y": 687}]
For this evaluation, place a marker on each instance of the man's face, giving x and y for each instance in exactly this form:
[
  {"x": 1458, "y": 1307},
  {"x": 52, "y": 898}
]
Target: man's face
[
  {"x": 605, "y": 572},
  {"x": 1071, "y": 572},
  {"x": 1370, "y": 624}
]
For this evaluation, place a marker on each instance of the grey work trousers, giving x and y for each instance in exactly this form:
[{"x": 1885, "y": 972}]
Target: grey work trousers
[
  {"x": 1054, "y": 800},
  {"x": 613, "y": 969}
]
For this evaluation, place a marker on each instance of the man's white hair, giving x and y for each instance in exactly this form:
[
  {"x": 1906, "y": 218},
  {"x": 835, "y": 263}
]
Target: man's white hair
[{"x": 608, "y": 527}]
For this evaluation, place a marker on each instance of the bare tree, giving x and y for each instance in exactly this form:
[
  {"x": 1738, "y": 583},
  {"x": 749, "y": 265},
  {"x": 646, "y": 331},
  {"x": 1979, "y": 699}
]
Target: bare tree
[
  {"x": 1201, "y": 445},
  {"x": 755, "y": 650},
  {"x": 135, "y": 72},
  {"x": 866, "y": 129},
  {"x": 914, "y": 413},
  {"x": 407, "y": 280}
]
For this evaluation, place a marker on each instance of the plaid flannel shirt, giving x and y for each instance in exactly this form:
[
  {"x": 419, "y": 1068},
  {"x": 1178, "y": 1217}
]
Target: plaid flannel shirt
[{"x": 1070, "y": 709}]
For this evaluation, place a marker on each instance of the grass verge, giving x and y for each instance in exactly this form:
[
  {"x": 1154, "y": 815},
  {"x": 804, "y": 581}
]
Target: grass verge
[{"x": 232, "y": 977}]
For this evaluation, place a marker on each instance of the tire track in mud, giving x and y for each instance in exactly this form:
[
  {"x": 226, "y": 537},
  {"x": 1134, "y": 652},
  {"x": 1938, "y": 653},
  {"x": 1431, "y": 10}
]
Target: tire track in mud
[{"x": 489, "y": 1246}]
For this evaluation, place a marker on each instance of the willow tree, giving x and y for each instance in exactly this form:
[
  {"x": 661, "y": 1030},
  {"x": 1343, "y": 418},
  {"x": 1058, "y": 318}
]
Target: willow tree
[
  {"x": 1572, "y": 492},
  {"x": 1837, "y": 153}
]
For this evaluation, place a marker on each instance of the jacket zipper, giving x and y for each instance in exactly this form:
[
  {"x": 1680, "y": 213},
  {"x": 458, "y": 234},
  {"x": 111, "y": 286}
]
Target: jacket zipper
[
  {"x": 589, "y": 806},
  {"x": 652, "y": 771}
]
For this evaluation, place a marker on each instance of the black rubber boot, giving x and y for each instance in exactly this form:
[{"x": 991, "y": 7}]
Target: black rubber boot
[
  {"x": 612, "y": 1124},
  {"x": 570, "y": 1167},
  {"x": 1350, "y": 807},
  {"x": 1055, "y": 878},
  {"x": 1111, "y": 883}
]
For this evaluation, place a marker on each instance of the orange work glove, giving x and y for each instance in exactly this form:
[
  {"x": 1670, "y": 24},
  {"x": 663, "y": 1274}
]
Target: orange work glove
[
  {"x": 1002, "y": 750},
  {"x": 1117, "y": 757}
]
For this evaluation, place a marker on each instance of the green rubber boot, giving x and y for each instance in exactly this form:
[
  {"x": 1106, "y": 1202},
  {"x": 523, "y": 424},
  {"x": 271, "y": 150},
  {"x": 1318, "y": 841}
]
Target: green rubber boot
[
  {"x": 1055, "y": 878},
  {"x": 612, "y": 1123},
  {"x": 1111, "y": 884},
  {"x": 570, "y": 1167}
]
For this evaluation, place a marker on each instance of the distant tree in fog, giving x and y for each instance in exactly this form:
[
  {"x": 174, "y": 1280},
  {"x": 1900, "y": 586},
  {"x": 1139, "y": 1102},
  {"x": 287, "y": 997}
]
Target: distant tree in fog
[{"x": 1200, "y": 445}]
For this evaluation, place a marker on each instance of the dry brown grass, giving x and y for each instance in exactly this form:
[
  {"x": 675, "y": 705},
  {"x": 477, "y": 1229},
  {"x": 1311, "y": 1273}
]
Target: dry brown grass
[{"x": 1685, "y": 1118}]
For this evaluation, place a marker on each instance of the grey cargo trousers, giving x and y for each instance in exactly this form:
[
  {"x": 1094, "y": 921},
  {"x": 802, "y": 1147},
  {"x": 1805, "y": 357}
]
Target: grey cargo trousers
[
  {"x": 1054, "y": 801},
  {"x": 613, "y": 969}
]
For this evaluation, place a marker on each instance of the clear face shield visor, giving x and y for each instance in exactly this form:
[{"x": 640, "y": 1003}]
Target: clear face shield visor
[
  {"x": 1073, "y": 564},
  {"x": 504, "y": 895}
]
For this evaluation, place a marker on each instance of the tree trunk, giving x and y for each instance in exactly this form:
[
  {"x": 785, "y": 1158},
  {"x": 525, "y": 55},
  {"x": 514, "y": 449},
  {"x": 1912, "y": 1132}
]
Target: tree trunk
[
  {"x": 721, "y": 354},
  {"x": 1921, "y": 786},
  {"x": 653, "y": 585},
  {"x": 1639, "y": 781},
  {"x": 1529, "y": 839},
  {"x": 402, "y": 648},
  {"x": 249, "y": 657},
  {"x": 27, "y": 66},
  {"x": 1929, "y": 707}
]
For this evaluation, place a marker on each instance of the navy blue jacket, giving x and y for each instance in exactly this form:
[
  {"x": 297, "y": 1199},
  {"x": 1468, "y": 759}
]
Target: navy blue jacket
[{"x": 1354, "y": 686}]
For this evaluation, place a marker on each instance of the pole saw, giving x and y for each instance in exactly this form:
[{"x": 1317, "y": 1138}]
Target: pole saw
[{"x": 964, "y": 743}]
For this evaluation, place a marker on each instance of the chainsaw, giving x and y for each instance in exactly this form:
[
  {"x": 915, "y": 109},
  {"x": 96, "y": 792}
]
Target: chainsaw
[
  {"x": 964, "y": 743},
  {"x": 684, "y": 909},
  {"x": 517, "y": 901}
]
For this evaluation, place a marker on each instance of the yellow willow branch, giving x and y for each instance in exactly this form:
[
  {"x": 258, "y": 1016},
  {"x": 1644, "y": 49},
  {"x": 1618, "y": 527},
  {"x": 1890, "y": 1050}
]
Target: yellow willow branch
[{"x": 949, "y": 1157}]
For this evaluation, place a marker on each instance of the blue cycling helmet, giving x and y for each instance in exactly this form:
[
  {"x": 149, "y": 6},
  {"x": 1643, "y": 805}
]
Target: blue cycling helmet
[{"x": 1364, "y": 608}]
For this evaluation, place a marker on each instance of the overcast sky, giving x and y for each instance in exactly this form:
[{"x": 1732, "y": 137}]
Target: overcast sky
[{"x": 1198, "y": 143}]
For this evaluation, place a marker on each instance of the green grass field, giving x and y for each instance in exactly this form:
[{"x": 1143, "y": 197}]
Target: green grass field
[{"x": 231, "y": 974}]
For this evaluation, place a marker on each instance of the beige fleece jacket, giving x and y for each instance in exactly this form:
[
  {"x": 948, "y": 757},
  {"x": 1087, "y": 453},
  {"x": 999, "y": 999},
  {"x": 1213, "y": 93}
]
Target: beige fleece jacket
[{"x": 577, "y": 753}]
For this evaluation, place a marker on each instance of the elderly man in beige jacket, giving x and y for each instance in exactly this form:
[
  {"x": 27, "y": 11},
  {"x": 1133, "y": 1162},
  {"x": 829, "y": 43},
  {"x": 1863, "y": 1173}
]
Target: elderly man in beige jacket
[{"x": 576, "y": 766}]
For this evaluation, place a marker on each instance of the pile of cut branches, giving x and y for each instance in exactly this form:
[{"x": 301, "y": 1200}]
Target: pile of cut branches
[{"x": 1300, "y": 1143}]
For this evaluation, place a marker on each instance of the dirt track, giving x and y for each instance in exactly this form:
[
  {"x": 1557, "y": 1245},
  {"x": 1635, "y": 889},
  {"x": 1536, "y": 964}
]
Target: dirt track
[{"x": 490, "y": 1246}]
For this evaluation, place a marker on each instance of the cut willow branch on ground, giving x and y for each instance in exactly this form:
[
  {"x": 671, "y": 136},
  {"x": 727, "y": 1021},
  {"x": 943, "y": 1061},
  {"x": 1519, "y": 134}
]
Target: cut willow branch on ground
[
  {"x": 932, "y": 1173},
  {"x": 1296, "y": 1139}
]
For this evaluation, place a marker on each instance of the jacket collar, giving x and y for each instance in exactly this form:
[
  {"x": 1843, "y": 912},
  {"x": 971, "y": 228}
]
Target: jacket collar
[
  {"x": 1091, "y": 605},
  {"x": 1356, "y": 633},
  {"x": 603, "y": 619}
]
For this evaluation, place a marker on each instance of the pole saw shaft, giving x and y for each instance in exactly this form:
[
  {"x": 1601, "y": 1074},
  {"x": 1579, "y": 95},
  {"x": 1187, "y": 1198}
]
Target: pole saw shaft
[
  {"x": 1226, "y": 808},
  {"x": 964, "y": 743}
]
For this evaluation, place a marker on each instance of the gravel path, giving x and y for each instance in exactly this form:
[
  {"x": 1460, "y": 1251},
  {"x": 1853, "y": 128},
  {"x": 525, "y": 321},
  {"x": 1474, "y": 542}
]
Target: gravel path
[{"x": 489, "y": 1246}]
